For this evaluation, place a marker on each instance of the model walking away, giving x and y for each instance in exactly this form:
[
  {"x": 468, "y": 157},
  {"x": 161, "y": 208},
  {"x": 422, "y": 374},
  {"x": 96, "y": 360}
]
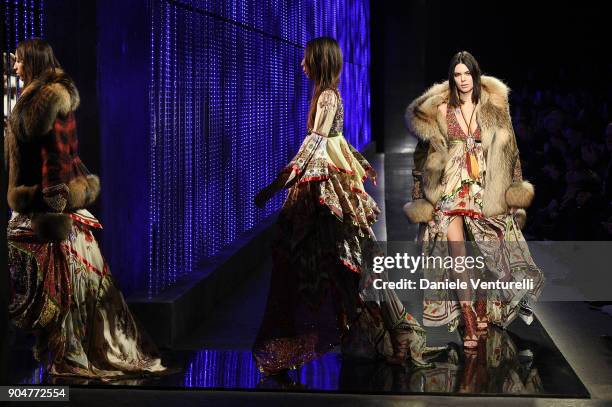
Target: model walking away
[
  {"x": 61, "y": 287},
  {"x": 323, "y": 233}
]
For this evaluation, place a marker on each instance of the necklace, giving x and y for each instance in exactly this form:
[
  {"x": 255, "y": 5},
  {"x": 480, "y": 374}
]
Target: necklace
[
  {"x": 469, "y": 140},
  {"x": 470, "y": 154}
]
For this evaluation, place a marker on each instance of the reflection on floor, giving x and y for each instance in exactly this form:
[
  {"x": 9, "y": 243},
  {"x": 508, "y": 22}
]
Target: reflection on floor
[
  {"x": 518, "y": 361},
  {"x": 522, "y": 360}
]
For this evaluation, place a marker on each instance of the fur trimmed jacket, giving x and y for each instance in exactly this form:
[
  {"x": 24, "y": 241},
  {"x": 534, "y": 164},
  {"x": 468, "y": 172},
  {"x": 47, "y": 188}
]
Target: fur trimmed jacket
[
  {"x": 47, "y": 179},
  {"x": 504, "y": 187}
]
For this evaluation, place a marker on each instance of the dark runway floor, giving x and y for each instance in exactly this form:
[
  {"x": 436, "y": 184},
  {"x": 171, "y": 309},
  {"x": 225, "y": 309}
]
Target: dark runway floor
[{"x": 519, "y": 361}]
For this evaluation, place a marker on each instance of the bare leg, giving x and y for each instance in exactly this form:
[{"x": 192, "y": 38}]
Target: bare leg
[
  {"x": 456, "y": 242},
  {"x": 456, "y": 247}
]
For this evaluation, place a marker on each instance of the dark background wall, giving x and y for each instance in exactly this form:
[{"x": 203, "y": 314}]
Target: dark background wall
[
  {"x": 123, "y": 55},
  {"x": 398, "y": 67},
  {"x": 542, "y": 43},
  {"x": 70, "y": 27}
]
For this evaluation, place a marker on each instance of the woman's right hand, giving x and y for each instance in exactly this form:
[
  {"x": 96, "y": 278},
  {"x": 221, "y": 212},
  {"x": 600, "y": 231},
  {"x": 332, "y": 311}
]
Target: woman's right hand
[{"x": 263, "y": 196}]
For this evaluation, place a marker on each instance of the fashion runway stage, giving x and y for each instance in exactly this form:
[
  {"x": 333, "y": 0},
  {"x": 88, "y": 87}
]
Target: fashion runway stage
[
  {"x": 522, "y": 361},
  {"x": 517, "y": 362}
]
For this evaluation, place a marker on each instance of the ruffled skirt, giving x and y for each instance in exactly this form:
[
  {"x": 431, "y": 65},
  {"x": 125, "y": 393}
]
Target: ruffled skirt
[{"x": 323, "y": 236}]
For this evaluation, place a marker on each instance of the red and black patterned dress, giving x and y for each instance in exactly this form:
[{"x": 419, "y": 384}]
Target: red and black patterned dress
[
  {"x": 323, "y": 233},
  {"x": 61, "y": 288}
]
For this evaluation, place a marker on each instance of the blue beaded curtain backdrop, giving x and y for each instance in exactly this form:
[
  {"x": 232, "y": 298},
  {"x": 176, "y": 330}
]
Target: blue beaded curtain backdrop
[
  {"x": 237, "y": 370},
  {"x": 228, "y": 105},
  {"x": 22, "y": 19}
]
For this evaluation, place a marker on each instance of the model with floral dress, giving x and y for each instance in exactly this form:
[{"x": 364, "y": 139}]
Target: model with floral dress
[
  {"x": 323, "y": 235},
  {"x": 468, "y": 187}
]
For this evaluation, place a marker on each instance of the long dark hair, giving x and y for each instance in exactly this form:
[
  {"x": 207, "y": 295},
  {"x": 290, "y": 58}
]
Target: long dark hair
[
  {"x": 37, "y": 57},
  {"x": 463, "y": 57},
  {"x": 323, "y": 59}
]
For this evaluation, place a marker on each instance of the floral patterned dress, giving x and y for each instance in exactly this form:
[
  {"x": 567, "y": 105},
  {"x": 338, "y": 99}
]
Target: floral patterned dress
[
  {"x": 497, "y": 238},
  {"x": 462, "y": 176},
  {"x": 317, "y": 294}
]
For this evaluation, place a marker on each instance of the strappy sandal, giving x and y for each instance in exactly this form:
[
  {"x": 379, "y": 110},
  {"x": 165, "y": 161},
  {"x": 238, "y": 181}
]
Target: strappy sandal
[{"x": 470, "y": 337}]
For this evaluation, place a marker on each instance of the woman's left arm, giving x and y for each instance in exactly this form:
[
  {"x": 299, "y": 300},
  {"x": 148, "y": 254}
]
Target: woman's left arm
[
  {"x": 521, "y": 192},
  {"x": 327, "y": 104}
]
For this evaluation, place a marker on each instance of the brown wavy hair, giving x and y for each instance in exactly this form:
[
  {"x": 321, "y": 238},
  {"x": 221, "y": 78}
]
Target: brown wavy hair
[
  {"x": 463, "y": 57},
  {"x": 37, "y": 57},
  {"x": 323, "y": 59}
]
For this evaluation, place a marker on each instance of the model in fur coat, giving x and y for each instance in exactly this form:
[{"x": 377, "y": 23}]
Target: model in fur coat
[
  {"x": 468, "y": 186},
  {"x": 61, "y": 286}
]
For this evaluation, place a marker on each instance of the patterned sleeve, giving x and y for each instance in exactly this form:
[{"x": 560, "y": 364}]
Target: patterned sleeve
[
  {"x": 417, "y": 185},
  {"x": 326, "y": 110},
  {"x": 61, "y": 164}
]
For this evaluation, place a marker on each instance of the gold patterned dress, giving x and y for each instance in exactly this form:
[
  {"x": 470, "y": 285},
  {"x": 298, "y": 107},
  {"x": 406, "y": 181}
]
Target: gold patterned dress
[
  {"x": 317, "y": 294},
  {"x": 498, "y": 238}
]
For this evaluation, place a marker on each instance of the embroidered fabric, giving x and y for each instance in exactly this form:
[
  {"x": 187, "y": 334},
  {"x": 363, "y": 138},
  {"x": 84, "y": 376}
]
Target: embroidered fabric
[
  {"x": 339, "y": 167},
  {"x": 497, "y": 237},
  {"x": 455, "y": 132},
  {"x": 462, "y": 193},
  {"x": 64, "y": 293},
  {"x": 56, "y": 197},
  {"x": 329, "y": 117},
  {"x": 323, "y": 235}
]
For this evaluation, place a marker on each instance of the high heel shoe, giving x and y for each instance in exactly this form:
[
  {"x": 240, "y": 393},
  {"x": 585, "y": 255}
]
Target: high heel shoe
[
  {"x": 470, "y": 337},
  {"x": 482, "y": 321}
]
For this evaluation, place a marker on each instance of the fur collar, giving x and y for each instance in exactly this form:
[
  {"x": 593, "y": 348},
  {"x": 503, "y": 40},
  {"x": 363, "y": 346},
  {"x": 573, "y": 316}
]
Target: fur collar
[
  {"x": 52, "y": 94},
  {"x": 425, "y": 121}
]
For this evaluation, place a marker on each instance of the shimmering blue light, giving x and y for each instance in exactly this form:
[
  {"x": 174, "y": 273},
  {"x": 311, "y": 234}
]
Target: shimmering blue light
[
  {"x": 237, "y": 370},
  {"x": 22, "y": 20},
  {"x": 228, "y": 105}
]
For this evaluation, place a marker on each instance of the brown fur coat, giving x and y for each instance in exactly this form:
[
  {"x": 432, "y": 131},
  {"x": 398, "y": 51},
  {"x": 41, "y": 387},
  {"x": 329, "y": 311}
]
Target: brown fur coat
[
  {"x": 43, "y": 102},
  {"x": 502, "y": 187}
]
